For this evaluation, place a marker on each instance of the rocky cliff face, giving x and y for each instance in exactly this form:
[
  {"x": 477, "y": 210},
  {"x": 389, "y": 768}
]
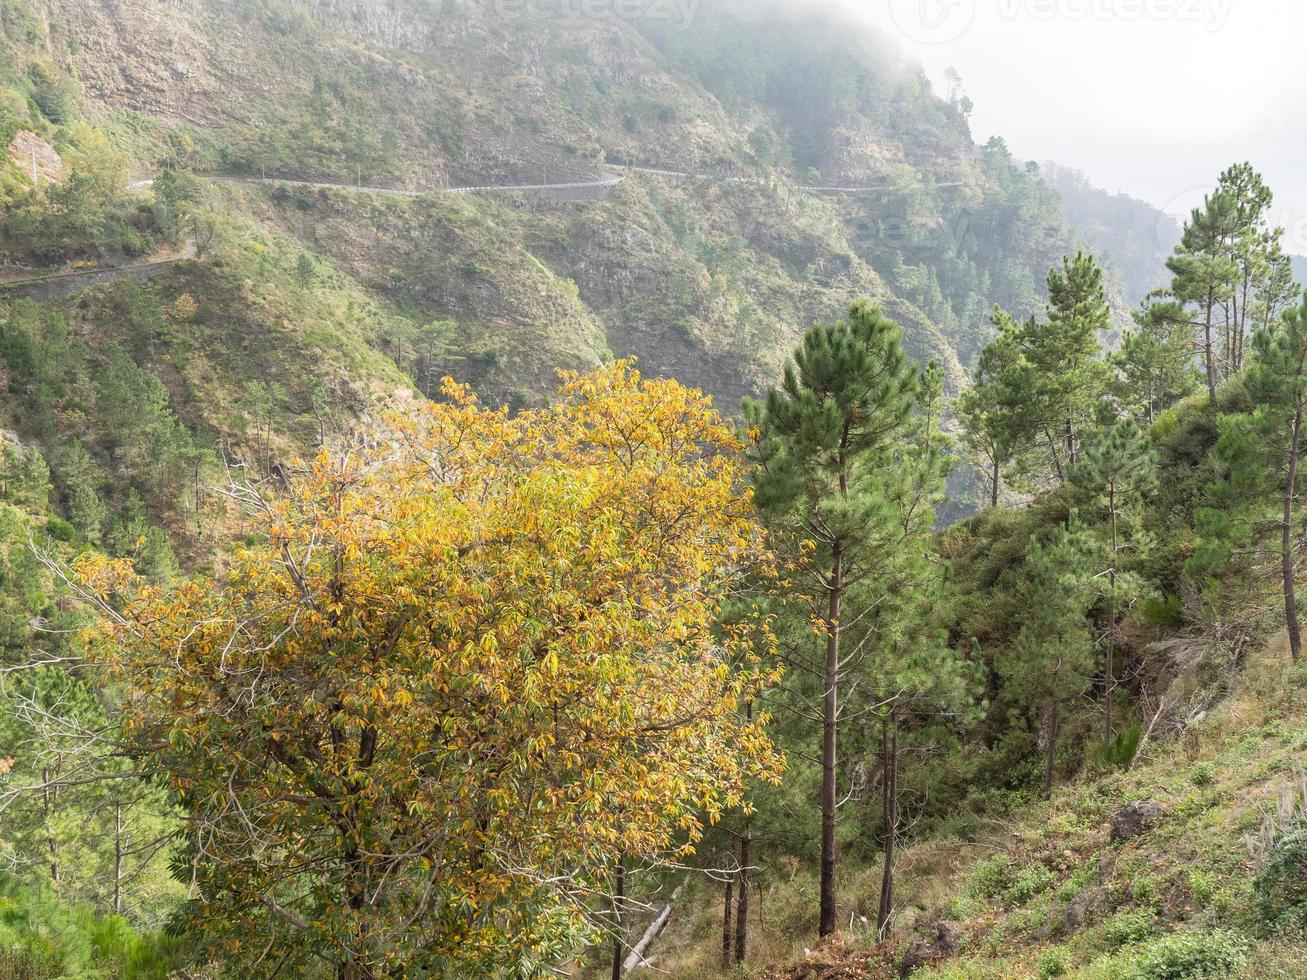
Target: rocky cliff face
[
  {"x": 36, "y": 158},
  {"x": 426, "y": 93},
  {"x": 152, "y": 57},
  {"x": 401, "y": 25}
]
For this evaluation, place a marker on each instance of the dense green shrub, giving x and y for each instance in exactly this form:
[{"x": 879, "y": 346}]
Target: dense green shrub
[
  {"x": 1281, "y": 887},
  {"x": 1129, "y": 926},
  {"x": 42, "y": 938},
  {"x": 1119, "y": 753},
  {"x": 60, "y": 530},
  {"x": 1189, "y": 956},
  {"x": 20, "y": 963},
  {"x": 53, "y": 95},
  {"x": 1027, "y": 883},
  {"x": 992, "y": 876},
  {"x": 1082, "y": 878},
  {"x": 1052, "y": 963}
]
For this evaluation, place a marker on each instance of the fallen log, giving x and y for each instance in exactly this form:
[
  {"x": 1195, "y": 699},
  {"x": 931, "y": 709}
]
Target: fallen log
[{"x": 636, "y": 957}]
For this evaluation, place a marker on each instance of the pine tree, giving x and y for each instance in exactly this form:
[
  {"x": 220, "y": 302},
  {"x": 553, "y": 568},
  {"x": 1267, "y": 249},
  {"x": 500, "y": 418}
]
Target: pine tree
[
  {"x": 1042, "y": 378},
  {"x": 306, "y": 270},
  {"x": 1268, "y": 445},
  {"x": 1252, "y": 248},
  {"x": 1051, "y": 661},
  {"x": 146, "y": 315},
  {"x": 983, "y": 409},
  {"x": 1278, "y": 291},
  {"x": 1229, "y": 274},
  {"x": 77, "y": 477},
  {"x": 910, "y": 666},
  {"x": 1119, "y": 468},
  {"x": 176, "y": 192},
  {"x": 1155, "y": 365},
  {"x": 1065, "y": 350},
  {"x": 24, "y": 476},
  {"x": 1203, "y": 274},
  {"x": 824, "y": 451}
]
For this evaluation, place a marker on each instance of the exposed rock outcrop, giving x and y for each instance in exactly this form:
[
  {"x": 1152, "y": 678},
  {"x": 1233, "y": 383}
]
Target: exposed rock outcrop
[{"x": 35, "y": 157}]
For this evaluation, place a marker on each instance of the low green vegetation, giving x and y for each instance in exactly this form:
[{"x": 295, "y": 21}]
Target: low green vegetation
[{"x": 41, "y": 937}]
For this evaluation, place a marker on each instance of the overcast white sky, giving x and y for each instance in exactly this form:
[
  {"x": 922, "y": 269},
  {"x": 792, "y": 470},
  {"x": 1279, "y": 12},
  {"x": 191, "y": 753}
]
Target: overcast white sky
[{"x": 1150, "y": 97}]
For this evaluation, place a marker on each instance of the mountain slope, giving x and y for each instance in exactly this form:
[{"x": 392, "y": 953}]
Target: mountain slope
[
  {"x": 714, "y": 277},
  {"x": 1133, "y": 238},
  {"x": 1050, "y": 889}
]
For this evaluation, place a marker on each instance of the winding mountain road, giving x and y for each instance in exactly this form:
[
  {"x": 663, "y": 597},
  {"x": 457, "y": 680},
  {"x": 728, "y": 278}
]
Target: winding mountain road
[
  {"x": 614, "y": 175},
  {"x": 811, "y": 188},
  {"x": 58, "y": 284}
]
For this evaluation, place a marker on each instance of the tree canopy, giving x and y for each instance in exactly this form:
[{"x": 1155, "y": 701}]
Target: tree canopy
[{"x": 465, "y": 669}]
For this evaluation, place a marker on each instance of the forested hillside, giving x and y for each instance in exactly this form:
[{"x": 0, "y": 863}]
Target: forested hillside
[
  {"x": 710, "y": 276},
  {"x": 1060, "y": 738},
  {"x": 1134, "y": 238},
  {"x": 479, "y": 497}
]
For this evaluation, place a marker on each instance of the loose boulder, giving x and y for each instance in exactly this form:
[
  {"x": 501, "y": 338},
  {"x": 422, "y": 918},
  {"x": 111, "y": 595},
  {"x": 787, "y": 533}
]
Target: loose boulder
[
  {"x": 1076, "y": 915},
  {"x": 1135, "y": 818},
  {"x": 948, "y": 936}
]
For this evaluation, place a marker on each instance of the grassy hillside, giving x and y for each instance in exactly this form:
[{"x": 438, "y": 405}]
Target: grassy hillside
[
  {"x": 531, "y": 286},
  {"x": 1042, "y": 889},
  {"x": 1174, "y": 854},
  {"x": 161, "y": 383}
]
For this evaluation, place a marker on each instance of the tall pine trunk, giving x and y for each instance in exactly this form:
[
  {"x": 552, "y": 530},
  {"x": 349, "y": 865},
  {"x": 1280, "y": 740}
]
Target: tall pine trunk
[
  {"x": 1242, "y": 323},
  {"x": 726, "y": 923},
  {"x": 1207, "y": 350},
  {"x": 1057, "y": 458},
  {"x": 1050, "y": 758},
  {"x": 117, "y": 857},
  {"x": 1286, "y": 541},
  {"x": 742, "y": 902},
  {"x": 889, "y": 739},
  {"x": 994, "y": 485},
  {"x": 1231, "y": 315},
  {"x": 48, "y": 797},
  {"x": 1109, "y": 700},
  {"x": 830, "y": 706},
  {"x": 746, "y": 845}
]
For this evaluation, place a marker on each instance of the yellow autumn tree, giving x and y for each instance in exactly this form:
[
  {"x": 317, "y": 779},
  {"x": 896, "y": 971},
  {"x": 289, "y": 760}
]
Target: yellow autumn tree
[
  {"x": 185, "y": 309},
  {"x": 468, "y": 668}
]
